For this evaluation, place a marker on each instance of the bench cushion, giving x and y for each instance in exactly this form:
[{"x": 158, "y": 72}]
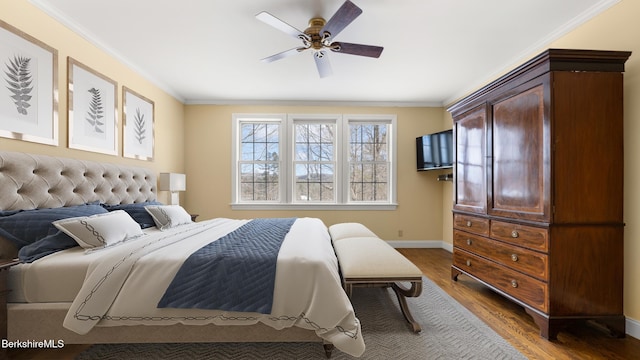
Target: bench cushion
[
  {"x": 349, "y": 230},
  {"x": 373, "y": 258}
]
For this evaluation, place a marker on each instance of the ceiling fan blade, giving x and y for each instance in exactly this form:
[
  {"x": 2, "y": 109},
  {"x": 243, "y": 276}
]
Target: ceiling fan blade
[
  {"x": 322, "y": 63},
  {"x": 357, "y": 49},
  {"x": 343, "y": 17},
  {"x": 283, "y": 54},
  {"x": 281, "y": 25}
]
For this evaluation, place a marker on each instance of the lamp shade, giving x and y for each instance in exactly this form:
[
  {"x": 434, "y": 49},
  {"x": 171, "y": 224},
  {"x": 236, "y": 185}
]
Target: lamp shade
[{"x": 172, "y": 182}]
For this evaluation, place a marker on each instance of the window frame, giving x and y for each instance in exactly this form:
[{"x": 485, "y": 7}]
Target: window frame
[
  {"x": 392, "y": 159},
  {"x": 292, "y": 120},
  {"x": 238, "y": 120},
  {"x": 287, "y": 170}
]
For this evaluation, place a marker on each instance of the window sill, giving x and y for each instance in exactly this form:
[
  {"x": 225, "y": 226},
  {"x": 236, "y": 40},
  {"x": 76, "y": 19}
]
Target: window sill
[{"x": 316, "y": 207}]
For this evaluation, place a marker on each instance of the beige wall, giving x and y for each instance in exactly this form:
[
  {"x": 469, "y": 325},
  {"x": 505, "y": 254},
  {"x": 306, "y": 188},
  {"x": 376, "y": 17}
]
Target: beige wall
[
  {"x": 169, "y": 113},
  {"x": 208, "y": 154},
  {"x": 615, "y": 29}
]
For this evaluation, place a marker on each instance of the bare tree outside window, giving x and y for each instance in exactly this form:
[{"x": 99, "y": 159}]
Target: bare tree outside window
[
  {"x": 314, "y": 162},
  {"x": 259, "y": 164},
  {"x": 368, "y": 162}
]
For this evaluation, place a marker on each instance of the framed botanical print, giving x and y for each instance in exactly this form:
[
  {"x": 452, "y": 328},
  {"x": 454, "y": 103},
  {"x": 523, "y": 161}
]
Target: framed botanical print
[
  {"x": 29, "y": 87},
  {"x": 138, "y": 122},
  {"x": 93, "y": 114}
]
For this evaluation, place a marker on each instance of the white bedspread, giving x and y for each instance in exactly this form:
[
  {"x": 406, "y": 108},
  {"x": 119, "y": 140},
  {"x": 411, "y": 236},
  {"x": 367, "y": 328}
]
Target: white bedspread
[{"x": 124, "y": 285}]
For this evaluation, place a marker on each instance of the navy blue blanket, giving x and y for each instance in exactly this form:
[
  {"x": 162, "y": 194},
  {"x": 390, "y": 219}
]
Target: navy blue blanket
[{"x": 235, "y": 273}]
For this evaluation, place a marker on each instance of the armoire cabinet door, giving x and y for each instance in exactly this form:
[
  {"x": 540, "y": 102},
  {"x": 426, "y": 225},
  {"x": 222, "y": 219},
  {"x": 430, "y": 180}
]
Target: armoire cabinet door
[
  {"x": 470, "y": 175},
  {"x": 519, "y": 165}
]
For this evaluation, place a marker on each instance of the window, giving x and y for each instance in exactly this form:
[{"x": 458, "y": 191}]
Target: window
[
  {"x": 259, "y": 161},
  {"x": 368, "y": 162},
  {"x": 313, "y": 161}
]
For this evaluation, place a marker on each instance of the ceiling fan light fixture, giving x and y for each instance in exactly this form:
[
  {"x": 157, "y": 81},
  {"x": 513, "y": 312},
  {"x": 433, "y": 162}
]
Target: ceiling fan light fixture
[
  {"x": 313, "y": 31},
  {"x": 318, "y": 37}
]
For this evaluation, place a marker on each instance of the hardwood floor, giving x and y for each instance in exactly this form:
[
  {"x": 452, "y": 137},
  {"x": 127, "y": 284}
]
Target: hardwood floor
[
  {"x": 506, "y": 318},
  {"x": 511, "y": 322}
]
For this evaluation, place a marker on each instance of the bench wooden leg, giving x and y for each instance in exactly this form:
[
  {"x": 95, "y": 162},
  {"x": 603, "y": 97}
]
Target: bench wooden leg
[
  {"x": 402, "y": 293},
  {"x": 328, "y": 350}
]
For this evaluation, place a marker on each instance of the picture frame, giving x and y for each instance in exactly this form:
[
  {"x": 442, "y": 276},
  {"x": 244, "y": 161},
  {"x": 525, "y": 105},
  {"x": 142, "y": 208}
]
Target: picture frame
[
  {"x": 29, "y": 90},
  {"x": 93, "y": 109},
  {"x": 139, "y": 125}
]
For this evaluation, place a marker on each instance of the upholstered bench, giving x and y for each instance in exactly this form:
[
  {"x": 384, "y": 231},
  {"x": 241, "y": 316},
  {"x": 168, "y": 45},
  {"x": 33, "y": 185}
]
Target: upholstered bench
[{"x": 368, "y": 261}]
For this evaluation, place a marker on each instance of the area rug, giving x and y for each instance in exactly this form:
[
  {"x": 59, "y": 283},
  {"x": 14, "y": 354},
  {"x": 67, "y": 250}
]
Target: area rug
[{"x": 449, "y": 331}]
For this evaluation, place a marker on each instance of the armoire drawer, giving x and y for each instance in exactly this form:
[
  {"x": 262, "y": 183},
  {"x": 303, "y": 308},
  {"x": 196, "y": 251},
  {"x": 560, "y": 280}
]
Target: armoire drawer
[
  {"x": 471, "y": 224},
  {"x": 522, "y": 287},
  {"x": 517, "y": 258},
  {"x": 522, "y": 235}
]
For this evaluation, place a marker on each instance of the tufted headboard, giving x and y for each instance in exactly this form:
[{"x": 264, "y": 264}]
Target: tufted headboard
[{"x": 37, "y": 181}]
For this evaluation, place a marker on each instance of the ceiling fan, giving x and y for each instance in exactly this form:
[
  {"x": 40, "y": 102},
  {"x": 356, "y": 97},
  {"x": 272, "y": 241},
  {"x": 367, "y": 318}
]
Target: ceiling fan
[{"x": 319, "y": 37}]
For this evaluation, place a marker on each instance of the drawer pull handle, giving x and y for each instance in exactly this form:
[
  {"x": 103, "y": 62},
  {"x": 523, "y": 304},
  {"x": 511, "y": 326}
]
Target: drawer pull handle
[
  {"x": 469, "y": 241},
  {"x": 514, "y": 257},
  {"x": 515, "y": 234},
  {"x": 468, "y": 262},
  {"x": 514, "y": 283},
  {"x": 468, "y": 223}
]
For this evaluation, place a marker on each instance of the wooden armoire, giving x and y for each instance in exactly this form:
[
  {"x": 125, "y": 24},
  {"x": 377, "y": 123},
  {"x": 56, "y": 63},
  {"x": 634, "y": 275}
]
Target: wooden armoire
[{"x": 538, "y": 188}]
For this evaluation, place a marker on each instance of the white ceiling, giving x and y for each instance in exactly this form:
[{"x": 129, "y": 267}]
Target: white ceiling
[{"x": 209, "y": 51}]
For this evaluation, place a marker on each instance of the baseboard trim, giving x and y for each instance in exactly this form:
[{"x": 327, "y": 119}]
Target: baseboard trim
[
  {"x": 632, "y": 325},
  {"x": 416, "y": 244},
  {"x": 421, "y": 244},
  {"x": 633, "y": 328}
]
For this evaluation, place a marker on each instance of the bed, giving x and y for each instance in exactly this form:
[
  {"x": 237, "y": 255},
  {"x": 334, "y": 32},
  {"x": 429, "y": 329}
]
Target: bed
[{"x": 67, "y": 294}]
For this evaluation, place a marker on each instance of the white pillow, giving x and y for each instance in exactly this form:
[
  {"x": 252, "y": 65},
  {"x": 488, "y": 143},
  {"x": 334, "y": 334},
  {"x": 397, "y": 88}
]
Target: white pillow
[
  {"x": 100, "y": 230},
  {"x": 168, "y": 216}
]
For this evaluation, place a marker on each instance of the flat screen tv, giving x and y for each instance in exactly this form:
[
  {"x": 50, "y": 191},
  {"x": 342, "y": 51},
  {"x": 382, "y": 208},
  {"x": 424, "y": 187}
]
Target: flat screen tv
[{"x": 435, "y": 151}]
